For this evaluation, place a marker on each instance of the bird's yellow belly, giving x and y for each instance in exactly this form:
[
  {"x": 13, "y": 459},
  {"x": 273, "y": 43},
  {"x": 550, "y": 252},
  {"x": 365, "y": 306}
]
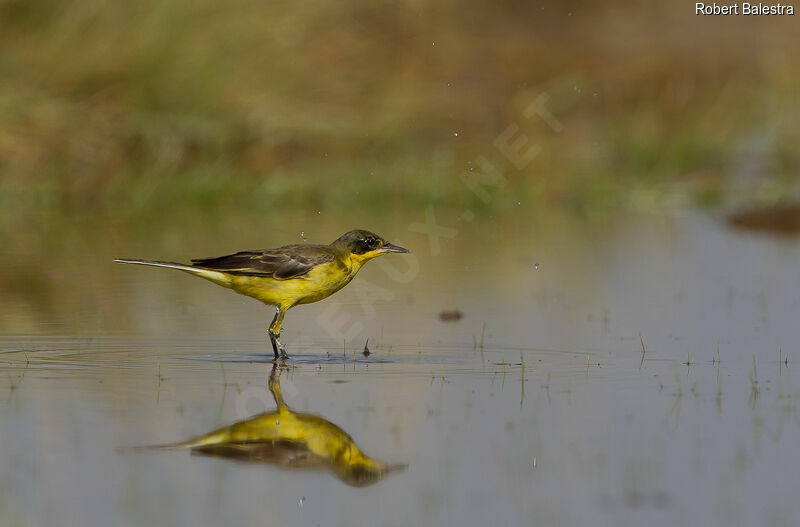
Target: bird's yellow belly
[{"x": 321, "y": 282}]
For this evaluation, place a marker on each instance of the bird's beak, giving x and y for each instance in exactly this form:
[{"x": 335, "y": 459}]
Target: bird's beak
[{"x": 392, "y": 248}]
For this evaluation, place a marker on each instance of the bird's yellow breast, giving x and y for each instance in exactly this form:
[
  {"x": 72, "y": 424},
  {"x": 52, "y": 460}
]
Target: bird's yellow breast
[{"x": 320, "y": 282}]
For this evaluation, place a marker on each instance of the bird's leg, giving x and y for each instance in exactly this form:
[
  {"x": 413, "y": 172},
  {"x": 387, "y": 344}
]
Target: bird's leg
[
  {"x": 275, "y": 385},
  {"x": 275, "y": 334},
  {"x": 281, "y": 348}
]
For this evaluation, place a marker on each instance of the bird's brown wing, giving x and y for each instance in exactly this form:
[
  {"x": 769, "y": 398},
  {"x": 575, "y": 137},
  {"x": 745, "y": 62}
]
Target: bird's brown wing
[{"x": 283, "y": 263}]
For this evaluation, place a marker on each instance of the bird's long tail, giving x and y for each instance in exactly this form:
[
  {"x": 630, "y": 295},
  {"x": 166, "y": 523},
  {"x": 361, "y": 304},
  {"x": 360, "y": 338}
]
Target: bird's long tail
[
  {"x": 214, "y": 276},
  {"x": 217, "y": 437},
  {"x": 155, "y": 263},
  {"x": 183, "y": 445}
]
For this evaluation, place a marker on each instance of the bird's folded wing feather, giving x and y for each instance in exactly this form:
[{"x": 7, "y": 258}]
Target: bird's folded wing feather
[{"x": 283, "y": 263}]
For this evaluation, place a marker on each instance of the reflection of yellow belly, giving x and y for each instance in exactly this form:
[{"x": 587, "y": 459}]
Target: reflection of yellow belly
[
  {"x": 321, "y": 282},
  {"x": 326, "y": 441}
]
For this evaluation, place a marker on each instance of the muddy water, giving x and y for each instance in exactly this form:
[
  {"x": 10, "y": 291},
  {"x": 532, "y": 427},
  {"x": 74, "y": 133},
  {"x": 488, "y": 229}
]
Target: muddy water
[{"x": 538, "y": 406}]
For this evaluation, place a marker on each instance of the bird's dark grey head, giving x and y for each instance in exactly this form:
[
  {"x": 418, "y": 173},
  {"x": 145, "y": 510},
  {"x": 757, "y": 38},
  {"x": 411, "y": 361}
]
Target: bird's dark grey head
[{"x": 363, "y": 242}]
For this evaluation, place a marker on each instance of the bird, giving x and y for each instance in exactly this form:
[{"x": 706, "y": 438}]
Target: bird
[
  {"x": 288, "y": 439},
  {"x": 287, "y": 276}
]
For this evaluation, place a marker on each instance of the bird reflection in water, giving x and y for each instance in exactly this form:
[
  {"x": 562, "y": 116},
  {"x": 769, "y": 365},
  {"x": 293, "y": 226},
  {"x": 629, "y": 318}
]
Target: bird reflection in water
[{"x": 291, "y": 440}]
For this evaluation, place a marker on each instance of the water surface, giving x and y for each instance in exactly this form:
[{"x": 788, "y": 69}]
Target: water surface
[{"x": 537, "y": 407}]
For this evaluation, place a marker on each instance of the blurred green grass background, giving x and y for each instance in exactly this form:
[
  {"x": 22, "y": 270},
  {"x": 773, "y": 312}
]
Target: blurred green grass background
[{"x": 133, "y": 108}]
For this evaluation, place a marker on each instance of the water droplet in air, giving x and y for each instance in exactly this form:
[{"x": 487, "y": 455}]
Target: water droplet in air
[{"x": 536, "y": 266}]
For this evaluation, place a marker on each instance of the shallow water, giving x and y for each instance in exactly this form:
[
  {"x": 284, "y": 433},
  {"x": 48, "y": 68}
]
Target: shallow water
[{"x": 538, "y": 406}]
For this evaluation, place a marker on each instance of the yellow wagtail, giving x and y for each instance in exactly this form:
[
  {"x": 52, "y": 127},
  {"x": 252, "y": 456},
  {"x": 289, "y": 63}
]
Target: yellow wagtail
[
  {"x": 290, "y": 439},
  {"x": 289, "y": 275}
]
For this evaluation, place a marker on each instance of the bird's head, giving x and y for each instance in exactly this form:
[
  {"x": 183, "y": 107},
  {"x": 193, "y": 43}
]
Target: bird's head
[
  {"x": 362, "y": 246},
  {"x": 364, "y": 471}
]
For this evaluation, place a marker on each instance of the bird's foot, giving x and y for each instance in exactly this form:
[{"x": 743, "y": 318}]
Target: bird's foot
[{"x": 277, "y": 346}]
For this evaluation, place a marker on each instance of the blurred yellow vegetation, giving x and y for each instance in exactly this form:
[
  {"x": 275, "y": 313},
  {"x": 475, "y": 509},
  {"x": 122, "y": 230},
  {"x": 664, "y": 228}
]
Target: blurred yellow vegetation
[{"x": 139, "y": 105}]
